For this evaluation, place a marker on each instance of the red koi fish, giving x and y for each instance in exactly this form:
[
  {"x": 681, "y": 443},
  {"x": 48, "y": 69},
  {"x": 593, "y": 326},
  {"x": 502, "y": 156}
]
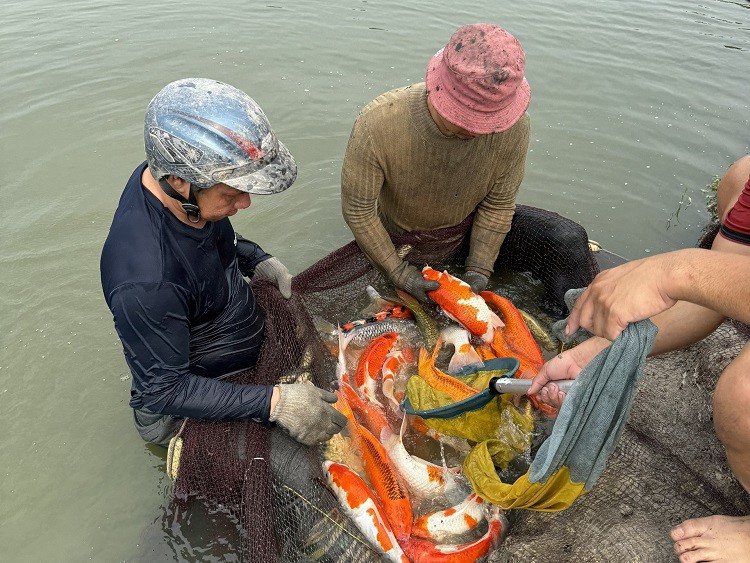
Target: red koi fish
[
  {"x": 450, "y": 523},
  {"x": 423, "y": 551},
  {"x": 516, "y": 340},
  {"x": 392, "y": 496},
  {"x": 371, "y": 363},
  {"x": 369, "y": 414},
  {"x": 458, "y": 390},
  {"x": 360, "y": 505},
  {"x": 516, "y": 334}
]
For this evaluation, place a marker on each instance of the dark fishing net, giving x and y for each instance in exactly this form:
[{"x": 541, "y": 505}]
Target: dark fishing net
[{"x": 271, "y": 486}]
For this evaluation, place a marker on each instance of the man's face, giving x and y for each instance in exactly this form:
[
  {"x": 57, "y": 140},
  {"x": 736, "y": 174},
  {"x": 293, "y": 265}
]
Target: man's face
[
  {"x": 446, "y": 127},
  {"x": 221, "y": 201}
]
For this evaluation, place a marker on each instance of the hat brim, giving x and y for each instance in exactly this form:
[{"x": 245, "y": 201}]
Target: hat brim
[
  {"x": 474, "y": 121},
  {"x": 273, "y": 178}
]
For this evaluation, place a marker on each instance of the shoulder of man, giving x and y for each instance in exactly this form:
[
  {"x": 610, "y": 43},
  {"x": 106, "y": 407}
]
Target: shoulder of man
[{"x": 391, "y": 103}]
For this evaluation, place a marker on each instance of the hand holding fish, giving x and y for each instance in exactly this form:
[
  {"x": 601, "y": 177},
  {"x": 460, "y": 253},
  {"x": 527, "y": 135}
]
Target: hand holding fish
[
  {"x": 417, "y": 286},
  {"x": 477, "y": 281},
  {"x": 632, "y": 292}
]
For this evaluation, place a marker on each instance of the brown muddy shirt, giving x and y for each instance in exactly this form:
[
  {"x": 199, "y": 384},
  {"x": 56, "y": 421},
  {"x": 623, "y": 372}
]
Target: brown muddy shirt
[{"x": 401, "y": 173}]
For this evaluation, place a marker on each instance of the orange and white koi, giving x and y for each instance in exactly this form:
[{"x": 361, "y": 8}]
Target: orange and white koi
[
  {"x": 423, "y": 551},
  {"x": 450, "y": 523},
  {"x": 462, "y": 305},
  {"x": 422, "y": 478},
  {"x": 360, "y": 505},
  {"x": 371, "y": 363},
  {"x": 464, "y": 353},
  {"x": 516, "y": 333},
  {"x": 394, "y": 362},
  {"x": 458, "y": 390},
  {"x": 392, "y": 496}
]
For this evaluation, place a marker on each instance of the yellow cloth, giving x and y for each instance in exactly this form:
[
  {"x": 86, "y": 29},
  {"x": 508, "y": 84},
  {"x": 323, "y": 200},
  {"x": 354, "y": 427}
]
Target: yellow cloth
[
  {"x": 499, "y": 420},
  {"x": 556, "y": 494}
]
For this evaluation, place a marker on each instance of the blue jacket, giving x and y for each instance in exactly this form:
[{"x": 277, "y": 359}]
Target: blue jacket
[{"x": 182, "y": 309}]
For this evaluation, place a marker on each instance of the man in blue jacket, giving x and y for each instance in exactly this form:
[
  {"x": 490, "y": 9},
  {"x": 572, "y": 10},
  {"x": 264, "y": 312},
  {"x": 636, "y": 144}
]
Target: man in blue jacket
[{"x": 172, "y": 268}]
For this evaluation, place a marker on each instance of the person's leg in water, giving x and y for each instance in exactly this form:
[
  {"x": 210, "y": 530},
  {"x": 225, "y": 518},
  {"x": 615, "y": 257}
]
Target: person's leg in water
[{"x": 725, "y": 538}]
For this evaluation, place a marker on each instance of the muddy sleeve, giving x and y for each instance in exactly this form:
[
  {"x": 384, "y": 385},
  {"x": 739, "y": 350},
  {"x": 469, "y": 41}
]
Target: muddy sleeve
[
  {"x": 249, "y": 255},
  {"x": 152, "y": 322},
  {"x": 361, "y": 181},
  {"x": 495, "y": 212}
]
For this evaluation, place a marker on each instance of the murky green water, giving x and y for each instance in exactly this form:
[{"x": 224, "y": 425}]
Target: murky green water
[{"x": 635, "y": 107}]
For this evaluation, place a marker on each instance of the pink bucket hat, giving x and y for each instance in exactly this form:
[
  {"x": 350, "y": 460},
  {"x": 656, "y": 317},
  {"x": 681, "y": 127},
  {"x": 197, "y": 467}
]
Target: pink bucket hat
[{"x": 476, "y": 81}]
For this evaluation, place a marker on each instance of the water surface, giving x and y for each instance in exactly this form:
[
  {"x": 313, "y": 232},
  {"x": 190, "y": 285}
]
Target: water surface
[{"x": 635, "y": 107}]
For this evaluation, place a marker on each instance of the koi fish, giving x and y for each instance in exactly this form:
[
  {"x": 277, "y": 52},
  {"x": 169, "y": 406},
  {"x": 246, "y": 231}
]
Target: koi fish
[
  {"x": 462, "y": 305},
  {"x": 464, "y": 354},
  {"x": 394, "y": 362},
  {"x": 371, "y": 363},
  {"x": 368, "y": 413},
  {"x": 516, "y": 333},
  {"x": 423, "y": 551},
  {"x": 364, "y": 334},
  {"x": 420, "y": 477},
  {"x": 426, "y": 323},
  {"x": 392, "y": 311},
  {"x": 360, "y": 505},
  {"x": 392, "y": 496},
  {"x": 539, "y": 334},
  {"x": 458, "y": 390},
  {"x": 425, "y": 479},
  {"x": 452, "y": 522}
]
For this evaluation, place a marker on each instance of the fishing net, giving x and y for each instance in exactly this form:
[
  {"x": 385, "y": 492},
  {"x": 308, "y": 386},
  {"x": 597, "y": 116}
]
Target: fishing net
[
  {"x": 271, "y": 487},
  {"x": 271, "y": 490}
]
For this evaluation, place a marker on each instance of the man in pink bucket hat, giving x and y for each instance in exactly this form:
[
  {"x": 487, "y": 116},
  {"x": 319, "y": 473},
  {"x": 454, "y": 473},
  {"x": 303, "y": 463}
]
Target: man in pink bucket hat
[{"x": 432, "y": 155}]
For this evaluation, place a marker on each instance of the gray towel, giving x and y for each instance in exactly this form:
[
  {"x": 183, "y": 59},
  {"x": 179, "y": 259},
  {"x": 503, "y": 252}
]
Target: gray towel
[{"x": 595, "y": 410}]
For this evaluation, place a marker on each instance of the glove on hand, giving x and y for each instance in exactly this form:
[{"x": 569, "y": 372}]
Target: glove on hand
[
  {"x": 272, "y": 269},
  {"x": 414, "y": 284},
  {"x": 477, "y": 281},
  {"x": 305, "y": 412}
]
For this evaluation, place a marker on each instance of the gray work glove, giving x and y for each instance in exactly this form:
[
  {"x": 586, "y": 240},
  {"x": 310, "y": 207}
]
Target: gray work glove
[
  {"x": 273, "y": 270},
  {"x": 414, "y": 284},
  {"x": 477, "y": 281},
  {"x": 304, "y": 411}
]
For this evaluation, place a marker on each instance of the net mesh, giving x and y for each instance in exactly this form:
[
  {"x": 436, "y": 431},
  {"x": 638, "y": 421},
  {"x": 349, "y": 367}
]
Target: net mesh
[{"x": 272, "y": 490}]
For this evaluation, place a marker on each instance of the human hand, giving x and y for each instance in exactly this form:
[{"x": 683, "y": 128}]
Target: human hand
[
  {"x": 306, "y": 412},
  {"x": 566, "y": 365},
  {"x": 632, "y": 292},
  {"x": 273, "y": 270},
  {"x": 477, "y": 281},
  {"x": 414, "y": 284}
]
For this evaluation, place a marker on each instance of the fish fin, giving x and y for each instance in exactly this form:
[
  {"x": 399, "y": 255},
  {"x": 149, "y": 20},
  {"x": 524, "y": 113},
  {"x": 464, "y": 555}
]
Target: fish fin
[
  {"x": 496, "y": 321},
  {"x": 462, "y": 359},
  {"x": 377, "y": 302},
  {"x": 323, "y": 326}
]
